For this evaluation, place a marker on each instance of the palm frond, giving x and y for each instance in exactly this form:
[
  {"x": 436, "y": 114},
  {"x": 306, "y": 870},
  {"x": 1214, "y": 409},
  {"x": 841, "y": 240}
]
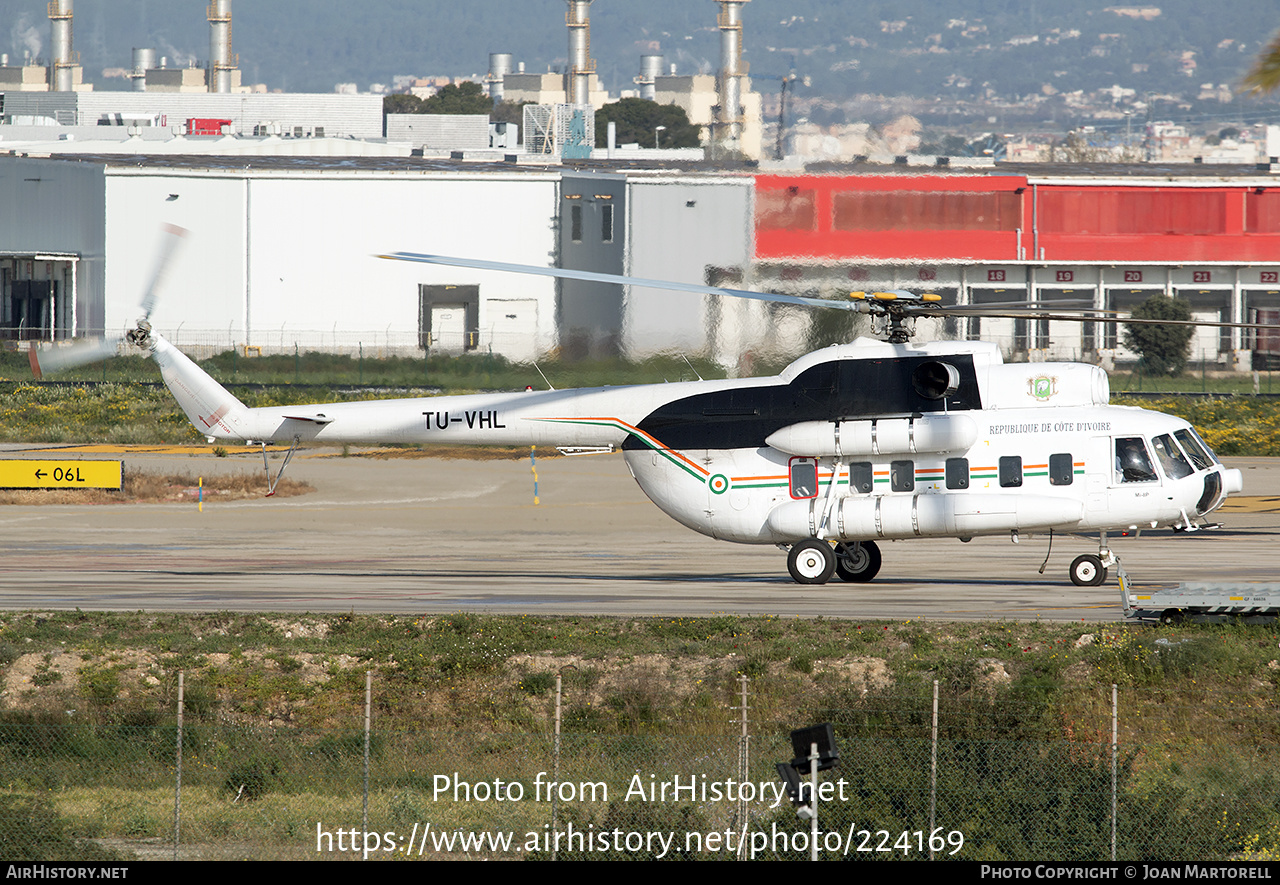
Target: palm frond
[{"x": 1264, "y": 76}]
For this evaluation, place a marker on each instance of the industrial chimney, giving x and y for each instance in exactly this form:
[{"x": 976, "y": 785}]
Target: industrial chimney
[
  {"x": 62, "y": 76},
  {"x": 143, "y": 61},
  {"x": 581, "y": 66},
  {"x": 729, "y": 119},
  {"x": 499, "y": 67},
  {"x": 650, "y": 70},
  {"x": 221, "y": 62}
]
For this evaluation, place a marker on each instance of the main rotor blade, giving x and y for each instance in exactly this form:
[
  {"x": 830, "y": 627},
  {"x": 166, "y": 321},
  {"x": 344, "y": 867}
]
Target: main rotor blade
[
  {"x": 593, "y": 277},
  {"x": 1027, "y": 310},
  {"x": 1080, "y": 318},
  {"x": 173, "y": 235},
  {"x": 52, "y": 360},
  {"x": 986, "y": 308}
]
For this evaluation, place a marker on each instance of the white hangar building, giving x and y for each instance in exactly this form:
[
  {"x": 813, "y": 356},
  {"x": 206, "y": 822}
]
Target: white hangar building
[{"x": 281, "y": 253}]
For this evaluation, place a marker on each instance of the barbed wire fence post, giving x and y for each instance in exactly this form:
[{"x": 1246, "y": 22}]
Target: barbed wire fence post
[
  {"x": 177, "y": 787},
  {"x": 744, "y": 761},
  {"x": 368, "y": 715},
  {"x": 555, "y": 766},
  {"x": 933, "y": 771},
  {"x": 1115, "y": 755}
]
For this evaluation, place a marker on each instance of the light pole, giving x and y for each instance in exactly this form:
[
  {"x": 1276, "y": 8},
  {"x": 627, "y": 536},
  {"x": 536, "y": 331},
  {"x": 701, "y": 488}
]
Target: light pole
[{"x": 656, "y": 130}]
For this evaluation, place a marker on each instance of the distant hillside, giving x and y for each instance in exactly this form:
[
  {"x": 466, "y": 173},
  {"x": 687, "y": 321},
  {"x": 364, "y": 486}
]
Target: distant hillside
[{"x": 963, "y": 50}]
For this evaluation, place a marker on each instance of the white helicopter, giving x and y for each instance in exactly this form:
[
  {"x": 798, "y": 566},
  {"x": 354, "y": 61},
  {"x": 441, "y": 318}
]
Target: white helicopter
[{"x": 847, "y": 446}]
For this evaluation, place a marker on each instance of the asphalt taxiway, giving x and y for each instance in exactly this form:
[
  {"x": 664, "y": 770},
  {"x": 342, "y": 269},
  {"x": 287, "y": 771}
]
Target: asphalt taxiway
[{"x": 432, "y": 535}]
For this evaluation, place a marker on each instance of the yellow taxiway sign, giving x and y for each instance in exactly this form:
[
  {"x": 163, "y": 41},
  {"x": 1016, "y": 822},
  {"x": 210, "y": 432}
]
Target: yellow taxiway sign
[{"x": 26, "y": 474}]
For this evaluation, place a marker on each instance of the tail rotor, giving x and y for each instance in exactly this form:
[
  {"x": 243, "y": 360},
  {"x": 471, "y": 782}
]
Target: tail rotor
[{"x": 50, "y": 361}]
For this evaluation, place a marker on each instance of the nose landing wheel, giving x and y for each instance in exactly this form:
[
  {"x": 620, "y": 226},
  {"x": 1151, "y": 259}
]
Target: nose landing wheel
[{"x": 1088, "y": 571}]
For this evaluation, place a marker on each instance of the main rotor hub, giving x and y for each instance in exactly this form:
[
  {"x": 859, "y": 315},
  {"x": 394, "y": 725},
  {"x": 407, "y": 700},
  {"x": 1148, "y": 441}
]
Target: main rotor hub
[
  {"x": 893, "y": 326},
  {"x": 893, "y": 313},
  {"x": 140, "y": 336}
]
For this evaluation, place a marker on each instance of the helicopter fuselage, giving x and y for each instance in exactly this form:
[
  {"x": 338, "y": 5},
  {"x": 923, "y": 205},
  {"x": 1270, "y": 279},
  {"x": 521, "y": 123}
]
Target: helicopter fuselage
[{"x": 853, "y": 443}]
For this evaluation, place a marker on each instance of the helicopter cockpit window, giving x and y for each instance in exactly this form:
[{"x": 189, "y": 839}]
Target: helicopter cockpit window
[
  {"x": 957, "y": 473},
  {"x": 1010, "y": 471},
  {"x": 1133, "y": 464},
  {"x": 860, "y": 477},
  {"x": 902, "y": 476},
  {"x": 1171, "y": 460},
  {"x": 1060, "y": 470},
  {"x": 1195, "y": 447},
  {"x": 804, "y": 478}
]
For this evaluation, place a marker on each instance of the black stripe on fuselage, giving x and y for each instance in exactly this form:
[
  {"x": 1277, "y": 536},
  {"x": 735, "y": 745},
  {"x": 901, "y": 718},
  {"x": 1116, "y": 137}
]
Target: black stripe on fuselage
[{"x": 840, "y": 389}]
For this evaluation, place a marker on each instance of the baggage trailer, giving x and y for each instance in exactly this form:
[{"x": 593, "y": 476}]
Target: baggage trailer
[{"x": 1201, "y": 602}]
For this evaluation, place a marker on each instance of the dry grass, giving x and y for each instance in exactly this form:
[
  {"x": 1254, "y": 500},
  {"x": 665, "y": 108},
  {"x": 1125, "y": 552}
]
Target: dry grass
[{"x": 151, "y": 488}]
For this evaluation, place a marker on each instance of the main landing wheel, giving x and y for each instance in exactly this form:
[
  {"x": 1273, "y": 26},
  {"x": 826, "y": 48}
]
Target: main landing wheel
[
  {"x": 811, "y": 562},
  {"x": 857, "y": 561},
  {"x": 1087, "y": 571}
]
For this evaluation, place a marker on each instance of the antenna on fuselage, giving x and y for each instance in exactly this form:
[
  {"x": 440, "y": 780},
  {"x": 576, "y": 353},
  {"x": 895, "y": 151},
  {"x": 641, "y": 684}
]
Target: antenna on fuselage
[
  {"x": 550, "y": 386},
  {"x": 690, "y": 365}
]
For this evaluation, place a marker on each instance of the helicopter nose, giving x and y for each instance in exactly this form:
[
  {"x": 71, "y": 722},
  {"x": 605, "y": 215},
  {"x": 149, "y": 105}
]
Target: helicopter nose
[
  {"x": 1213, "y": 494},
  {"x": 1234, "y": 481}
]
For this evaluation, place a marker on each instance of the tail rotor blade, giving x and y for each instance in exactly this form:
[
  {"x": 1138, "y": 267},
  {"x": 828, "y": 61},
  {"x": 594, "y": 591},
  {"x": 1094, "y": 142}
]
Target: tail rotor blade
[
  {"x": 59, "y": 359},
  {"x": 173, "y": 235}
]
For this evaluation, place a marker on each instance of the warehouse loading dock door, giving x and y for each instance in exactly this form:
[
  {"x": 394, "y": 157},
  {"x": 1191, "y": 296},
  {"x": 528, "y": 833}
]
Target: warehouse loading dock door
[
  {"x": 28, "y": 310},
  {"x": 1064, "y": 340},
  {"x": 448, "y": 318},
  {"x": 37, "y": 298},
  {"x": 1001, "y": 330},
  {"x": 448, "y": 327}
]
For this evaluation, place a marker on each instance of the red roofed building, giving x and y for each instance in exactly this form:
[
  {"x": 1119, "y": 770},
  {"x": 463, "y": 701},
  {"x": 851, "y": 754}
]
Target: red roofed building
[{"x": 1109, "y": 236}]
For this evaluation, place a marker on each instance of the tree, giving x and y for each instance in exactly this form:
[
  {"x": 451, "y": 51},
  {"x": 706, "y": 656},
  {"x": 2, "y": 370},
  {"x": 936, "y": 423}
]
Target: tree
[
  {"x": 1264, "y": 76},
  {"x": 509, "y": 112},
  {"x": 638, "y": 120},
  {"x": 460, "y": 98},
  {"x": 401, "y": 103},
  {"x": 1075, "y": 148},
  {"x": 1163, "y": 348}
]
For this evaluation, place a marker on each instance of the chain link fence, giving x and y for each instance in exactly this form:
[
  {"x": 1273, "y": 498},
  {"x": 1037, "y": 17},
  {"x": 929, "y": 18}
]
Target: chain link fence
[
  {"x": 371, "y": 343},
  {"x": 955, "y": 778}
]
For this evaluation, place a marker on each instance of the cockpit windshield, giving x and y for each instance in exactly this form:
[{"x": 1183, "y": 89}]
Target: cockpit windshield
[
  {"x": 1201, "y": 455},
  {"x": 1173, "y": 463}
]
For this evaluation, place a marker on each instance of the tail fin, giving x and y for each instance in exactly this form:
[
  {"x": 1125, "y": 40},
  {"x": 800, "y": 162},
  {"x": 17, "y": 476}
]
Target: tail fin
[{"x": 208, "y": 405}]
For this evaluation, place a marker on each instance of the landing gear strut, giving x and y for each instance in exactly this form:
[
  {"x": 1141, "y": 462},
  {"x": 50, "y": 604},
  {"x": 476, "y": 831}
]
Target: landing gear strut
[
  {"x": 1088, "y": 570},
  {"x": 272, "y": 483}
]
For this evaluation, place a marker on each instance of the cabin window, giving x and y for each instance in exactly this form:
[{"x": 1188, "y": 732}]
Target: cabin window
[
  {"x": 1133, "y": 464},
  {"x": 902, "y": 476},
  {"x": 1010, "y": 471},
  {"x": 606, "y": 224},
  {"x": 804, "y": 477},
  {"x": 860, "y": 477},
  {"x": 957, "y": 473},
  {"x": 1061, "y": 470}
]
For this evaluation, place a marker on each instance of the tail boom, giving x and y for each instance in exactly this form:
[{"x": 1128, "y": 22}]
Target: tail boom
[{"x": 595, "y": 417}]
